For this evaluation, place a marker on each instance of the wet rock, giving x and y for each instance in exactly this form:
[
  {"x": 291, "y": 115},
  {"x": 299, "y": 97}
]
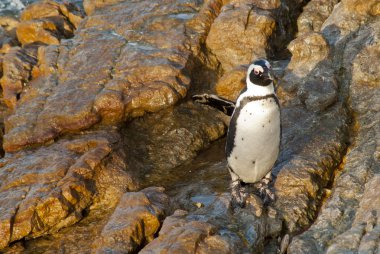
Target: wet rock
[
  {"x": 231, "y": 83},
  {"x": 48, "y": 22},
  {"x": 170, "y": 137},
  {"x": 145, "y": 65},
  {"x": 314, "y": 15},
  {"x": 17, "y": 67},
  {"x": 47, "y": 188},
  {"x": 41, "y": 30},
  {"x": 348, "y": 222},
  {"x": 179, "y": 235},
  {"x": 6, "y": 41},
  {"x": 49, "y": 8},
  {"x": 134, "y": 222}
]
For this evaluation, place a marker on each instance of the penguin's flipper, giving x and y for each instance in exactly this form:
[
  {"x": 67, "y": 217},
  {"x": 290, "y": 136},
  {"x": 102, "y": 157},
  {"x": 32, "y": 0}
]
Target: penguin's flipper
[{"x": 226, "y": 106}]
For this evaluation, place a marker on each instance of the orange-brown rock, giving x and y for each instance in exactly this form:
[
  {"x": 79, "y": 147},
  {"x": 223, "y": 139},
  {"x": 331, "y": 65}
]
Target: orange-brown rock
[
  {"x": 349, "y": 220},
  {"x": 48, "y": 188},
  {"x": 49, "y": 8},
  {"x": 47, "y": 22},
  {"x": 180, "y": 235},
  {"x": 17, "y": 66},
  {"x": 135, "y": 221},
  {"x": 42, "y": 30},
  {"x": 232, "y": 83},
  {"x": 6, "y": 42},
  {"x": 144, "y": 66},
  {"x": 314, "y": 15},
  {"x": 240, "y": 34},
  {"x": 172, "y": 136}
]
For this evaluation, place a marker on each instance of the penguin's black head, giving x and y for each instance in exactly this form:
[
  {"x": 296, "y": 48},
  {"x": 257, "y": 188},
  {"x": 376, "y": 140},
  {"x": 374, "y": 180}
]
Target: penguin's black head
[{"x": 259, "y": 73}]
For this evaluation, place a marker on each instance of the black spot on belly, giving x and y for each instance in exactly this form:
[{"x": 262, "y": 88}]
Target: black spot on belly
[
  {"x": 242, "y": 138},
  {"x": 230, "y": 142},
  {"x": 253, "y": 162},
  {"x": 263, "y": 125},
  {"x": 269, "y": 121},
  {"x": 235, "y": 157},
  {"x": 250, "y": 114}
]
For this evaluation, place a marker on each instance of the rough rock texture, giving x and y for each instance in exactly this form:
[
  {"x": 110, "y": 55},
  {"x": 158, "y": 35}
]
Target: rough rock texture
[
  {"x": 231, "y": 83},
  {"x": 6, "y": 41},
  {"x": 17, "y": 66},
  {"x": 170, "y": 137},
  {"x": 73, "y": 151},
  {"x": 48, "y": 188},
  {"x": 349, "y": 221},
  {"x": 179, "y": 235},
  {"x": 146, "y": 51},
  {"x": 134, "y": 222},
  {"x": 144, "y": 67},
  {"x": 47, "y": 22},
  {"x": 246, "y": 30},
  {"x": 314, "y": 15}
]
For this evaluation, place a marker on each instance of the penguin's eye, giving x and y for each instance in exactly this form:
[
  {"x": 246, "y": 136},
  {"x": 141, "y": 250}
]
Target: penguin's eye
[{"x": 256, "y": 71}]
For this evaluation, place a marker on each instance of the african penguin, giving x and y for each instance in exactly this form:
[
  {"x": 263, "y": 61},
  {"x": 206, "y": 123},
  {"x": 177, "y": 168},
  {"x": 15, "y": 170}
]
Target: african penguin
[{"x": 254, "y": 134}]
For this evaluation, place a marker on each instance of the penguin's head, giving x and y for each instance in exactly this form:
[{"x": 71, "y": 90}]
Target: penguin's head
[{"x": 259, "y": 73}]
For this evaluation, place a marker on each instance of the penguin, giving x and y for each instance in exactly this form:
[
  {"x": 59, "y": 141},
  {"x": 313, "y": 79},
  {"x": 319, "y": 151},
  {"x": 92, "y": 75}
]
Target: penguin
[{"x": 254, "y": 134}]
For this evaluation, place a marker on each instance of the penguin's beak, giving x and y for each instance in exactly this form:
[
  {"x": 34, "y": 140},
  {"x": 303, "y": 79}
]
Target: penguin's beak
[{"x": 269, "y": 75}]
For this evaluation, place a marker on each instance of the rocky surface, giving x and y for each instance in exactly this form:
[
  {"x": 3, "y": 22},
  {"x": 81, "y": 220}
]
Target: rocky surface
[
  {"x": 348, "y": 222},
  {"x": 246, "y": 30},
  {"x": 134, "y": 222},
  {"x": 93, "y": 122}
]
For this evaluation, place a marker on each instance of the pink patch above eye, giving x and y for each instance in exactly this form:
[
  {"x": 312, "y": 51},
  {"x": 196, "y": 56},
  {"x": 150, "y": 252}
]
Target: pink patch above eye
[{"x": 256, "y": 72}]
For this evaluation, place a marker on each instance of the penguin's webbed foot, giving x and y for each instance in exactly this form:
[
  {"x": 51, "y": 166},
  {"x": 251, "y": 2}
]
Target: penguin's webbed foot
[
  {"x": 265, "y": 192},
  {"x": 238, "y": 194}
]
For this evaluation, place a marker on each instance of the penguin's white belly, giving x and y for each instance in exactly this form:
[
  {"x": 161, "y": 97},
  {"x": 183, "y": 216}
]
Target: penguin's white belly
[{"x": 257, "y": 140}]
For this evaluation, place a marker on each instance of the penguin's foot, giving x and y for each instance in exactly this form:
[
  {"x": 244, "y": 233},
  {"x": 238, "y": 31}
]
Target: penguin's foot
[
  {"x": 265, "y": 192},
  {"x": 238, "y": 194}
]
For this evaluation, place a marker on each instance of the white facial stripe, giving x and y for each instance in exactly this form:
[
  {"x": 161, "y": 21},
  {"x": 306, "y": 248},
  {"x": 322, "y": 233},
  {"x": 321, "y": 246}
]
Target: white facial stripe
[{"x": 258, "y": 68}]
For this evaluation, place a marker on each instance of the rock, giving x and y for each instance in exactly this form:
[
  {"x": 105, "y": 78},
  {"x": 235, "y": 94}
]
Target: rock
[
  {"x": 47, "y": 188},
  {"x": 308, "y": 51},
  {"x": 9, "y": 24},
  {"x": 134, "y": 222},
  {"x": 179, "y": 235},
  {"x": 314, "y": 15},
  {"x": 48, "y": 8},
  {"x": 170, "y": 137},
  {"x": 240, "y": 34},
  {"x": 348, "y": 221},
  {"x": 230, "y": 84},
  {"x": 346, "y": 18},
  {"x": 41, "y": 30},
  {"x": 48, "y": 22},
  {"x": 144, "y": 67},
  {"x": 246, "y": 30},
  {"x": 17, "y": 67},
  {"x": 6, "y": 41}
]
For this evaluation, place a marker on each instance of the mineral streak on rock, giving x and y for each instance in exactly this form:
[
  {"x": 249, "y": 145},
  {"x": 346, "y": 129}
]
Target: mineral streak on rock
[{"x": 47, "y": 188}]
